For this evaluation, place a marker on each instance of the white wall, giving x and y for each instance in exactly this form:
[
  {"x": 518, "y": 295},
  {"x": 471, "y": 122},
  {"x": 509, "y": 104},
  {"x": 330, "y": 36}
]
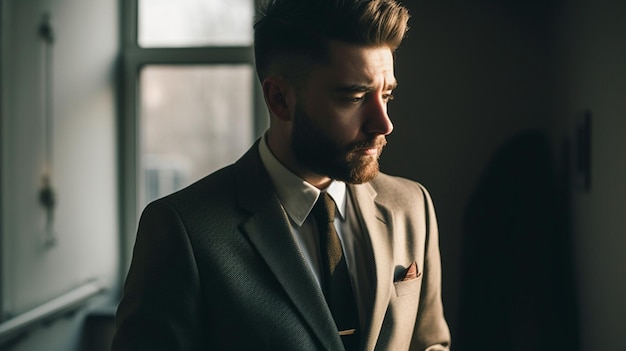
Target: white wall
[
  {"x": 592, "y": 76},
  {"x": 84, "y": 107}
]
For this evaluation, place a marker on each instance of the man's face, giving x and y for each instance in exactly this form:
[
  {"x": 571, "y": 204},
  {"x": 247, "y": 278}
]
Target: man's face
[{"x": 340, "y": 119}]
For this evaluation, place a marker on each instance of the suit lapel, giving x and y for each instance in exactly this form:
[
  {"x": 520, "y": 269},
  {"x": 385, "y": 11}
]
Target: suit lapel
[
  {"x": 269, "y": 231},
  {"x": 376, "y": 221}
]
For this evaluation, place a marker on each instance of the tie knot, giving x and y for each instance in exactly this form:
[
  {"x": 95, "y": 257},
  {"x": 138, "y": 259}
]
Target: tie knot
[{"x": 324, "y": 208}]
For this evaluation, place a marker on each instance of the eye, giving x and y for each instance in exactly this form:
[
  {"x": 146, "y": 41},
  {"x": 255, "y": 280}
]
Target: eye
[
  {"x": 354, "y": 99},
  {"x": 388, "y": 97}
]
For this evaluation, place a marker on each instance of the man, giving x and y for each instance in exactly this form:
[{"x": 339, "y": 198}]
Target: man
[{"x": 255, "y": 256}]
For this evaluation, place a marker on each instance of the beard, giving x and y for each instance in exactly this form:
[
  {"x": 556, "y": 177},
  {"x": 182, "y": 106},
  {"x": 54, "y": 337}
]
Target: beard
[{"x": 315, "y": 151}]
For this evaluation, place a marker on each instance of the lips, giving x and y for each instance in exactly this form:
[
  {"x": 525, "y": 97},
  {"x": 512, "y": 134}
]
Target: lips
[
  {"x": 370, "y": 146},
  {"x": 367, "y": 152}
]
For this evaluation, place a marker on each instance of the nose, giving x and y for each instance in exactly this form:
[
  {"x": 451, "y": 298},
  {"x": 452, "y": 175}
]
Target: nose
[{"x": 378, "y": 121}]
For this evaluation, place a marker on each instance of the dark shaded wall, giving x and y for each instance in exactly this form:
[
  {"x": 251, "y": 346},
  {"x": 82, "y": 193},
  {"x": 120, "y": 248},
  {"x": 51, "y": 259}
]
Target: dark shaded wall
[
  {"x": 591, "y": 76},
  {"x": 472, "y": 75},
  {"x": 517, "y": 286}
]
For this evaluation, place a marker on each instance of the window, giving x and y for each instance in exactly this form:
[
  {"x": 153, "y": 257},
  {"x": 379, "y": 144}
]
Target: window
[
  {"x": 192, "y": 23},
  {"x": 194, "y": 119},
  {"x": 191, "y": 100}
]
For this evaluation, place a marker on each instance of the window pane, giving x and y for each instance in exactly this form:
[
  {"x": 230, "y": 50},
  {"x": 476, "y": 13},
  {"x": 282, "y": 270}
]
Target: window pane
[
  {"x": 194, "y": 120},
  {"x": 187, "y": 23}
]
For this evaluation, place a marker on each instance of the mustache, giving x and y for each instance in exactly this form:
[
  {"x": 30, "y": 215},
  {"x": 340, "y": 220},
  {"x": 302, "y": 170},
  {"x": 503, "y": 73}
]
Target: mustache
[{"x": 378, "y": 142}]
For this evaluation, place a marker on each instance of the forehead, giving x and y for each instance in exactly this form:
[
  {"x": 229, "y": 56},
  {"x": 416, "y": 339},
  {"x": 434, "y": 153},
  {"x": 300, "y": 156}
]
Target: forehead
[{"x": 357, "y": 65}]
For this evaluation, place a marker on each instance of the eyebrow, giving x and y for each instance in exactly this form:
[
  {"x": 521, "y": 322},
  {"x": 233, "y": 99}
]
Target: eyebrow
[{"x": 363, "y": 88}]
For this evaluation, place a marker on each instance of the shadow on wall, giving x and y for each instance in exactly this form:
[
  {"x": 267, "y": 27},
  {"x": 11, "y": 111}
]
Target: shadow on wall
[{"x": 517, "y": 287}]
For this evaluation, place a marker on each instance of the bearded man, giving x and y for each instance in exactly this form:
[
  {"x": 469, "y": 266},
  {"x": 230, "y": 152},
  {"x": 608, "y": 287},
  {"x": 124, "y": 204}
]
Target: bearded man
[{"x": 302, "y": 244}]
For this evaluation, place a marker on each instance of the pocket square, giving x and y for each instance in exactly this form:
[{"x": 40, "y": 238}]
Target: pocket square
[{"x": 411, "y": 272}]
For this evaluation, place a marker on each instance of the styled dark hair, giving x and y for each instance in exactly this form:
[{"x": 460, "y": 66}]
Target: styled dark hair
[{"x": 290, "y": 35}]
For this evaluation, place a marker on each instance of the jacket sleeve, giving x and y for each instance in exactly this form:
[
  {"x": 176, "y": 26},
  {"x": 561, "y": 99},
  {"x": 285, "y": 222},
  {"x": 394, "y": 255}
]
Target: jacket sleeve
[
  {"x": 431, "y": 331},
  {"x": 160, "y": 303}
]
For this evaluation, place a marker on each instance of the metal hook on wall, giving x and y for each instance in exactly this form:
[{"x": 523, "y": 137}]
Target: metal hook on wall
[{"x": 47, "y": 196}]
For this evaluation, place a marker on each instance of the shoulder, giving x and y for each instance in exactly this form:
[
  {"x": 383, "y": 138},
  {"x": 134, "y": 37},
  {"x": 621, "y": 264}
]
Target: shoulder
[
  {"x": 202, "y": 196},
  {"x": 222, "y": 185},
  {"x": 399, "y": 190},
  {"x": 222, "y": 194}
]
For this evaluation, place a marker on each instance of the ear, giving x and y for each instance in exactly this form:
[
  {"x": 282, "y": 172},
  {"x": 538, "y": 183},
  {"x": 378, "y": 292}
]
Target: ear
[{"x": 276, "y": 93}]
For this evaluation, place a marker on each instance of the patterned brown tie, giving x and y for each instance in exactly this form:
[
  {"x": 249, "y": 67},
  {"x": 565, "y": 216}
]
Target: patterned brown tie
[{"x": 336, "y": 280}]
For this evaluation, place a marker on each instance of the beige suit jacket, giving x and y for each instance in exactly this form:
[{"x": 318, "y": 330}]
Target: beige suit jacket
[{"x": 215, "y": 267}]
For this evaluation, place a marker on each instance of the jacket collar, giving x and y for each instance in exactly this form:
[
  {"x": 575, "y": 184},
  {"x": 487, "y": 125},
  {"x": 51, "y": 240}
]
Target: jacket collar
[
  {"x": 377, "y": 222},
  {"x": 268, "y": 229}
]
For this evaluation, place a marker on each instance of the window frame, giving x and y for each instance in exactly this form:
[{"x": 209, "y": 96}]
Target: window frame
[{"x": 134, "y": 58}]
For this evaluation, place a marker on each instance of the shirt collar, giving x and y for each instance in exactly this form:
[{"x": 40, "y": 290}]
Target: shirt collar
[{"x": 295, "y": 194}]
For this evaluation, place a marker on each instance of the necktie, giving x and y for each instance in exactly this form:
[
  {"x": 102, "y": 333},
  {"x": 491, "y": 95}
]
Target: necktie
[{"x": 335, "y": 278}]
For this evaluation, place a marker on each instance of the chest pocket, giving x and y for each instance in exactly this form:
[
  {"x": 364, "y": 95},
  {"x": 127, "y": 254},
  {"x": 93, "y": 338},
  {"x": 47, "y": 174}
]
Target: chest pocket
[{"x": 408, "y": 287}]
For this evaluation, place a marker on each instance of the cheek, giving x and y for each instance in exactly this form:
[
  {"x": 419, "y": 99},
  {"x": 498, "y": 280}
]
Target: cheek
[{"x": 342, "y": 125}]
